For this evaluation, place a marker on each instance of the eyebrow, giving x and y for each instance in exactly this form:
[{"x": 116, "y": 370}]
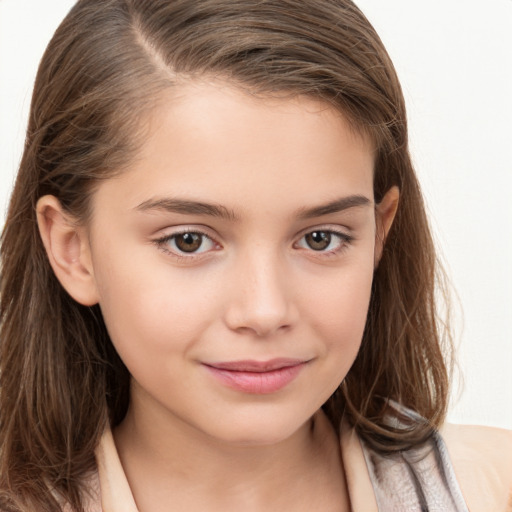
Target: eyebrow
[
  {"x": 338, "y": 205},
  {"x": 188, "y": 207}
]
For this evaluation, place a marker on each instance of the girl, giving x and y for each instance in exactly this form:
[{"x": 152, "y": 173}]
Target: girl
[{"x": 218, "y": 277}]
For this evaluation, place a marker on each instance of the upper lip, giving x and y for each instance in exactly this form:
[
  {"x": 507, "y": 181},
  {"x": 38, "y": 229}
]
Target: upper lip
[{"x": 257, "y": 366}]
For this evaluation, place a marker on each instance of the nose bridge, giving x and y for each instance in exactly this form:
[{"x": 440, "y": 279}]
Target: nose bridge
[{"x": 262, "y": 301}]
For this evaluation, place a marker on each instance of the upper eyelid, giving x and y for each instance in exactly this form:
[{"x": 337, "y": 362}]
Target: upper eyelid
[
  {"x": 171, "y": 231},
  {"x": 168, "y": 235},
  {"x": 341, "y": 234},
  {"x": 330, "y": 228}
]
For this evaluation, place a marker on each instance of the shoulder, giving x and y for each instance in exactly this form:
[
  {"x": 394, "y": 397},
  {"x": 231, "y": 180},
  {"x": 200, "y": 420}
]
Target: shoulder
[{"x": 482, "y": 462}]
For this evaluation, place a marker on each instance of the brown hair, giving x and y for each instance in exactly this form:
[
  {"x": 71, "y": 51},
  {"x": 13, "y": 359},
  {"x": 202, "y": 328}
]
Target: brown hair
[{"x": 61, "y": 381}]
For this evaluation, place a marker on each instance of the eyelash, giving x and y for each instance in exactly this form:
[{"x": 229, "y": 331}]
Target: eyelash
[
  {"x": 163, "y": 243},
  {"x": 345, "y": 241}
]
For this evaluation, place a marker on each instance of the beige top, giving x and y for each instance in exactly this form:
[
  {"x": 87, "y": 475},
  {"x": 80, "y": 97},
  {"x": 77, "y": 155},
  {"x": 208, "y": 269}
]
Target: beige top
[{"x": 481, "y": 458}]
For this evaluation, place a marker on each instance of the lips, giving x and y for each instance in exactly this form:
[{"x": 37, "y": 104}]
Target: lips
[{"x": 257, "y": 377}]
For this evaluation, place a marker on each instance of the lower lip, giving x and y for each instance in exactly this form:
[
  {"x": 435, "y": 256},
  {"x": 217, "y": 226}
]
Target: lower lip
[{"x": 261, "y": 383}]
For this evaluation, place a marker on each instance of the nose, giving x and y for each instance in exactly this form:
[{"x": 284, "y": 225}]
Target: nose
[{"x": 261, "y": 302}]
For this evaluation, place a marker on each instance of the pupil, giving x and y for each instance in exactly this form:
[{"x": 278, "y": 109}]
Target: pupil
[
  {"x": 188, "y": 242},
  {"x": 318, "y": 240}
]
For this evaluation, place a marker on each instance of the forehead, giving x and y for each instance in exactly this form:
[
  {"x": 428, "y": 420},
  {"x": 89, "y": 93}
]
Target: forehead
[{"x": 213, "y": 141}]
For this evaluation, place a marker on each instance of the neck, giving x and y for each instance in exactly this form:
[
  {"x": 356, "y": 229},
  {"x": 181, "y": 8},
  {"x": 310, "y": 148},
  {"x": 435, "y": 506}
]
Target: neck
[{"x": 173, "y": 462}]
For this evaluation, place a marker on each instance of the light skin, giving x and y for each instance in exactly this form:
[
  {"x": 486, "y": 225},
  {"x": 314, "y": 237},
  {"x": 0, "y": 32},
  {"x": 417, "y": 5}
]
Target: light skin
[{"x": 245, "y": 229}]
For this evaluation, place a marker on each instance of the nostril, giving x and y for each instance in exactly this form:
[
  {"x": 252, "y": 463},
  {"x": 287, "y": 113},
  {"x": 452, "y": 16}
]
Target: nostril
[{"x": 260, "y": 320}]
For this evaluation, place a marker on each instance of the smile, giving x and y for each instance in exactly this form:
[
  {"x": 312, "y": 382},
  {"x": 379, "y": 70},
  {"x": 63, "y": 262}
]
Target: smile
[{"x": 257, "y": 377}]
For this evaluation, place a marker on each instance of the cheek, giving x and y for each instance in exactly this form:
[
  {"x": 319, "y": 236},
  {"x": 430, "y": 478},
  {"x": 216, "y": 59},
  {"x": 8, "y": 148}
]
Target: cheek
[
  {"x": 155, "y": 312},
  {"x": 149, "y": 310},
  {"x": 340, "y": 310}
]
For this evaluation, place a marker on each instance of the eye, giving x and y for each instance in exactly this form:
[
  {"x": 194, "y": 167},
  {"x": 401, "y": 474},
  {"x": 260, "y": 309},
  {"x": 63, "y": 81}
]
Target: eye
[
  {"x": 324, "y": 241},
  {"x": 189, "y": 242}
]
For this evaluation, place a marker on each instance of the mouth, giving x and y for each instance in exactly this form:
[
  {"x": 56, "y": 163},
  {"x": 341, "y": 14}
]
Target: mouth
[{"x": 257, "y": 377}]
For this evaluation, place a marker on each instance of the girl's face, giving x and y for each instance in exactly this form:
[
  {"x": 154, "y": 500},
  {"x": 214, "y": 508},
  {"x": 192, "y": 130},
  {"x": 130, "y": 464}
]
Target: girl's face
[{"x": 233, "y": 261}]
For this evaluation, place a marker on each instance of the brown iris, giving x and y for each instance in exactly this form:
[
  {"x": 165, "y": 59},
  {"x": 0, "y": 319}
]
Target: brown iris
[
  {"x": 318, "y": 240},
  {"x": 188, "y": 242}
]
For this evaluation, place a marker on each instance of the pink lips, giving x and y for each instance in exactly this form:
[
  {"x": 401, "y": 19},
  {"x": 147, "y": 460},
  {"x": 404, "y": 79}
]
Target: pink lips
[{"x": 258, "y": 377}]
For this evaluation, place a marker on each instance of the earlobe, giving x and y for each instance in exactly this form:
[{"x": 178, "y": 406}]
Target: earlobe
[
  {"x": 384, "y": 216},
  {"x": 68, "y": 250}
]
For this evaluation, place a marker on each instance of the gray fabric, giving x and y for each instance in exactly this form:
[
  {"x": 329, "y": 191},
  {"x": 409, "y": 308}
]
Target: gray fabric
[{"x": 420, "y": 479}]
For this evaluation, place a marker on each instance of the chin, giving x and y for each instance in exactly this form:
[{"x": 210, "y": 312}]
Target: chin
[{"x": 259, "y": 430}]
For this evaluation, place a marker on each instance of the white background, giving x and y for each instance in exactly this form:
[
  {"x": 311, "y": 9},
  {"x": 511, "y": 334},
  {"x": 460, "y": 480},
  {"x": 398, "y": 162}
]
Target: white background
[{"x": 454, "y": 58}]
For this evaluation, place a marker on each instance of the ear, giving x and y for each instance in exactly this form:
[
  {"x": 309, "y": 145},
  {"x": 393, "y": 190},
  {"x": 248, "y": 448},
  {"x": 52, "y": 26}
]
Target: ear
[
  {"x": 384, "y": 215},
  {"x": 68, "y": 250}
]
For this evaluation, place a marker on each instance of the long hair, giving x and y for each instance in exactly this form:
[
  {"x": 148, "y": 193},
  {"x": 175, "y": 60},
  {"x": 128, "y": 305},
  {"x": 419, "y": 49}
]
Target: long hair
[{"x": 61, "y": 381}]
